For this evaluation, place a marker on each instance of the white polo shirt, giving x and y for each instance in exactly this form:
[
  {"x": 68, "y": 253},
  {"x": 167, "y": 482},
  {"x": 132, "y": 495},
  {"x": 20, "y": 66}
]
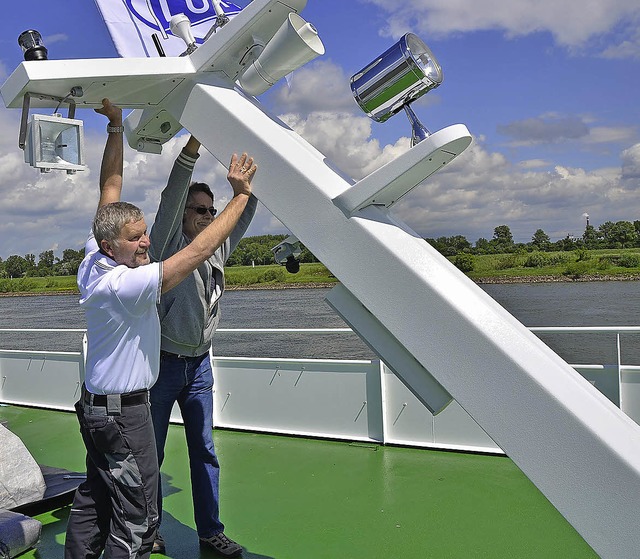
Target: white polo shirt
[{"x": 123, "y": 328}]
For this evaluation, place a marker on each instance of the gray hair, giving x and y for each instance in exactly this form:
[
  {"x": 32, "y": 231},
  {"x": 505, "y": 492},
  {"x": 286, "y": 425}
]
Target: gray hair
[{"x": 111, "y": 218}]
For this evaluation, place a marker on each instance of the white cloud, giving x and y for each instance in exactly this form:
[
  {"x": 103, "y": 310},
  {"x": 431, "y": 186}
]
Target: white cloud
[
  {"x": 55, "y": 38},
  {"x": 318, "y": 86},
  {"x": 610, "y": 134},
  {"x": 321, "y": 108},
  {"x": 53, "y": 211},
  {"x": 346, "y": 140},
  {"x": 556, "y": 128},
  {"x": 571, "y": 23},
  {"x": 481, "y": 189},
  {"x": 631, "y": 164},
  {"x": 544, "y": 130},
  {"x": 533, "y": 163},
  {"x": 628, "y": 47},
  {"x": 479, "y": 193},
  {"x": 33, "y": 203}
]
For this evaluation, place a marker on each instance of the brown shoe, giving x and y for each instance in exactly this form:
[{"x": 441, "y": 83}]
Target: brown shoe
[{"x": 222, "y": 545}]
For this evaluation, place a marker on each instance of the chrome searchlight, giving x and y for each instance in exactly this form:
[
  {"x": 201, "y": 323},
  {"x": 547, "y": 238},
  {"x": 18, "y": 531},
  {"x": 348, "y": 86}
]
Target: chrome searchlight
[
  {"x": 395, "y": 79},
  {"x": 295, "y": 43},
  {"x": 54, "y": 142},
  {"x": 32, "y": 46}
]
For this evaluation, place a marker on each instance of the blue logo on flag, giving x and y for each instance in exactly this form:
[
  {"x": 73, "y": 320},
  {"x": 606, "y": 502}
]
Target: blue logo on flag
[{"x": 158, "y": 13}]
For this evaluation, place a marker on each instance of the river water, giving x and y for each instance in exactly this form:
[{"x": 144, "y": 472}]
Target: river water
[{"x": 614, "y": 303}]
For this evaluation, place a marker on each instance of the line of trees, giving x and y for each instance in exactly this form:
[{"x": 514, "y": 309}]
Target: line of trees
[
  {"x": 47, "y": 265},
  {"x": 250, "y": 251},
  {"x": 257, "y": 250},
  {"x": 615, "y": 235}
]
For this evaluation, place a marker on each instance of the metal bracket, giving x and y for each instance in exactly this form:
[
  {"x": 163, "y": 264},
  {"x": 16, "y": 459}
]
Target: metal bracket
[
  {"x": 385, "y": 186},
  {"x": 26, "y": 103}
]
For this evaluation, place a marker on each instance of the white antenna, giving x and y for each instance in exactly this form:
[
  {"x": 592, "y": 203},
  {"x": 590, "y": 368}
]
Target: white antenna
[{"x": 221, "y": 18}]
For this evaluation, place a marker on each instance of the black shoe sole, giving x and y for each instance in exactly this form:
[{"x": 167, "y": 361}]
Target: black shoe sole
[{"x": 219, "y": 553}]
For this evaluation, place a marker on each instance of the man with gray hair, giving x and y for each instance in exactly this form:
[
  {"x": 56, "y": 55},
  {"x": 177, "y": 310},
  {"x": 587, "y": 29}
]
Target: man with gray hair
[{"x": 115, "y": 509}]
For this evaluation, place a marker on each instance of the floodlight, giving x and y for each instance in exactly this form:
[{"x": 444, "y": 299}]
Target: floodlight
[
  {"x": 54, "y": 142},
  {"x": 395, "y": 79},
  {"x": 287, "y": 253},
  {"x": 295, "y": 43},
  {"x": 32, "y": 46}
]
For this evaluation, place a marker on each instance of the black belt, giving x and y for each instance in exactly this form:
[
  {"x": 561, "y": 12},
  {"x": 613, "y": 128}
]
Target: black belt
[
  {"x": 128, "y": 399},
  {"x": 176, "y": 356}
]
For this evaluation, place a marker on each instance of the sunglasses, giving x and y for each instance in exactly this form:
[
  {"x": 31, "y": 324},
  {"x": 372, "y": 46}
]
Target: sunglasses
[{"x": 202, "y": 210}]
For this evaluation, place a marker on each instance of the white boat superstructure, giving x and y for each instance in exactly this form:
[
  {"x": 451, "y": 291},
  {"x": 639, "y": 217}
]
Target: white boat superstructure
[{"x": 432, "y": 325}]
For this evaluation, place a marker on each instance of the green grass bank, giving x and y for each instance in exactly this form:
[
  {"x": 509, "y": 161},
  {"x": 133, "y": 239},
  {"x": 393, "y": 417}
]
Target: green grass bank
[{"x": 580, "y": 265}]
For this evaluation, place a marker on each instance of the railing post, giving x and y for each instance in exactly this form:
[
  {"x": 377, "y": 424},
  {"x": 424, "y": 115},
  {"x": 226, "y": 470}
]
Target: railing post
[
  {"x": 619, "y": 367},
  {"x": 380, "y": 367}
]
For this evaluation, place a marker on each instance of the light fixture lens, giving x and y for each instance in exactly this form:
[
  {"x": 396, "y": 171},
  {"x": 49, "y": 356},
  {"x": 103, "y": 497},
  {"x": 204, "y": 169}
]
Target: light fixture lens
[
  {"x": 424, "y": 59},
  {"x": 59, "y": 143},
  {"x": 32, "y": 46}
]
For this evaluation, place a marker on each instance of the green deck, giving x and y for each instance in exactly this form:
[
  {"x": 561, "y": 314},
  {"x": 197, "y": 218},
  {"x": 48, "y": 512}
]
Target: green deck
[{"x": 285, "y": 497}]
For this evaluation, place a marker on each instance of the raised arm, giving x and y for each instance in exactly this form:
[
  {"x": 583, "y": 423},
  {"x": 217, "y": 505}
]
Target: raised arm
[
  {"x": 166, "y": 233},
  {"x": 180, "y": 265},
  {"x": 111, "y": 168}
]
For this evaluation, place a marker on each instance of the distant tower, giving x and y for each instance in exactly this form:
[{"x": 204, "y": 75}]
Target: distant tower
[{"x": 586, "y": 216}]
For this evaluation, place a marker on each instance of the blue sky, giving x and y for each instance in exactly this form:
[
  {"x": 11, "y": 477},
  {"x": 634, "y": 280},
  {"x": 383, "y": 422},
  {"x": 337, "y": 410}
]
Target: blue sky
[{"x": 549, "y": 91}]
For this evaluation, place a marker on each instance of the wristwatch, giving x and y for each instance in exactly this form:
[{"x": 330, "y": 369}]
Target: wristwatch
[{"x": 115, "y": 129}]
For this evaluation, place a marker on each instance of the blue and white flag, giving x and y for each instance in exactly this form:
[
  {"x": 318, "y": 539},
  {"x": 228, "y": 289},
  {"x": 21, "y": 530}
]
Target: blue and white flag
[{"x": 131, "y": 23}]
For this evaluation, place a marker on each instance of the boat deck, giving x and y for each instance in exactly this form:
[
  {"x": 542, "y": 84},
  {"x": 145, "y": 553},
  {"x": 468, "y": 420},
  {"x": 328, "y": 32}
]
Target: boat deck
[{"x": 287, "y": 497}]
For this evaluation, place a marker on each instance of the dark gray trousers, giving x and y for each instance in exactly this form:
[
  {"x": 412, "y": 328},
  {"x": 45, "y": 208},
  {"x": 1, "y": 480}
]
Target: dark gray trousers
[{"x": 115, "y": 509}]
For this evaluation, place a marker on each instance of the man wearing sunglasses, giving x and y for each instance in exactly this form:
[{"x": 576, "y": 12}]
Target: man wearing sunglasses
[{"x": 189, "y": 316}]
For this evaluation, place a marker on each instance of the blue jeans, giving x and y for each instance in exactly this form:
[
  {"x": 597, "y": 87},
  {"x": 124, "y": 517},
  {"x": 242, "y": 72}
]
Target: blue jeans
[{"x": 189, "y": 381}]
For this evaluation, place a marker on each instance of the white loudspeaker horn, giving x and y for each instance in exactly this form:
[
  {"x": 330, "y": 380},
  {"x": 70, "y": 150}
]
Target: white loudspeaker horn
[
  {"x": 294, "y": 44},
  {"x": 180, "y": 26}
]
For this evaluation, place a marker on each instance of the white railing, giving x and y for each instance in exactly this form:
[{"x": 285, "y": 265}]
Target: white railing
[
  {"x": 339, "y": 398},
  {"x": 617, "y": 380}
]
